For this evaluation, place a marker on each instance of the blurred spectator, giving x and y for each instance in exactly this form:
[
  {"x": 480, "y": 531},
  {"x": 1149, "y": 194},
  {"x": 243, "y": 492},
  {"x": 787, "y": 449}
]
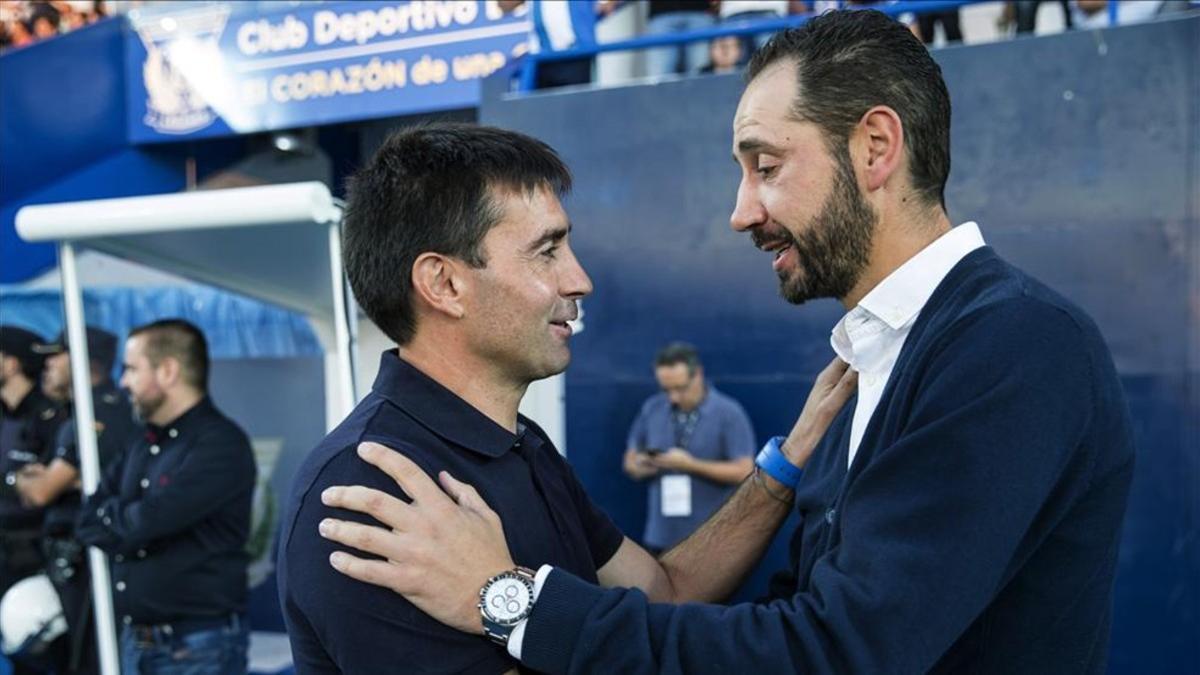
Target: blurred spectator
[
  {"x": 752, "y": 10},
  {"x": 1024, "y": 14},
  {"x": 560, "y": 26},
  {"x": 1095, "y": 13},
  {"x": 23, "y": 22},
  {"x": 53, "y": 483},
  {"x": 724, "y": 55},
  {"x": 927, "y": 22},
  {"x": 17, "y": 35},
  {"x": 677, "y": 16},
  {"x": 692, "y": 442},
  {"x": 28, "y": 422},
  {"x": 44, "y": 19}
]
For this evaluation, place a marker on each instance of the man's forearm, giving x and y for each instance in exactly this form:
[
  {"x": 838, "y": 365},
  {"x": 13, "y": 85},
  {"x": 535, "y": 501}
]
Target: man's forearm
[{"x": 709, "y": 565}]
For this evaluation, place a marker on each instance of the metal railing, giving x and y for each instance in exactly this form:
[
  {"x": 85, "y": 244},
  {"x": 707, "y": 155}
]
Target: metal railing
[{"x": 528, "y": 73}]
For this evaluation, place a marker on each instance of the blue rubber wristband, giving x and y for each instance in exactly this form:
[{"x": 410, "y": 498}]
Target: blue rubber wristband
[{"x": 776, "y": 465}]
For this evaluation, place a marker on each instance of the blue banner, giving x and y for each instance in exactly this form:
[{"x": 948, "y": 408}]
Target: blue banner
[{"x": 206, "y": 71}]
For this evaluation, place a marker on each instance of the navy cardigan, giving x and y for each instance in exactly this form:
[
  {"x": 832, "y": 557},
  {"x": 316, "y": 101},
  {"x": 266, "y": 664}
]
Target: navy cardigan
[{"x": 976, "y": 532}]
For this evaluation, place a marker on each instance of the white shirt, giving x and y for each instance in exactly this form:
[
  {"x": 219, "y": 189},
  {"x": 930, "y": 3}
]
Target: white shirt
[{"x": 870, "y": 336}]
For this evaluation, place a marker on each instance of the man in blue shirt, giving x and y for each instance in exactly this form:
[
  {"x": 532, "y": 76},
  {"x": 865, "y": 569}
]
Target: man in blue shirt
[
  {"x": 693, "y": 442},
  {"x": 457, "y": 247},
  {"x": 963, "y": 515}
]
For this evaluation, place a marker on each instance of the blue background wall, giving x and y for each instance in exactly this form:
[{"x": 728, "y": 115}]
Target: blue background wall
[{"x": 1077, "y": 154}]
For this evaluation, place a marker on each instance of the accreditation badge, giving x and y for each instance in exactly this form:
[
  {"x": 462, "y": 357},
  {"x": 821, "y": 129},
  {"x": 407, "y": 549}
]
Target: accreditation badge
[{"x": 676, "y": 492}]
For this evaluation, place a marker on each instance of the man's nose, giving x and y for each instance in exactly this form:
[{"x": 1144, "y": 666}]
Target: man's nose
[
  {"x": 576, "y": 283},
  {"x": 748, "y": 212}
]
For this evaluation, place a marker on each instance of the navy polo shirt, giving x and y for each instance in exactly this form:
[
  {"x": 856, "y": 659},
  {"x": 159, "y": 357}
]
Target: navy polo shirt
[{"x": 339, "y": 625}]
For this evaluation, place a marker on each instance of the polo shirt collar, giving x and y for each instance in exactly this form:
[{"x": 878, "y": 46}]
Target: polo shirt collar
[{"x": 439, "y": 409}]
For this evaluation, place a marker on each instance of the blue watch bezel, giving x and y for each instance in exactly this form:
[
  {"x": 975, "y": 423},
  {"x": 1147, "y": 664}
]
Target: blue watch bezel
[{"x": 776, "y": 465}]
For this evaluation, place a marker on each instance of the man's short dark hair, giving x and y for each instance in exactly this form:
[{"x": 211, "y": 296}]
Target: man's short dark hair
[
  {"x": 180, "y": 340},
  {"x": 847, "y": 62},
  {"x": 430, "y": 188},
  {"x": 677, "y": 353}
]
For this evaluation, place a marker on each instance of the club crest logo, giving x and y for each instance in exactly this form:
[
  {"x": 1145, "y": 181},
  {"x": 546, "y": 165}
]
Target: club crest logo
[{"x": 181, "y": 49}]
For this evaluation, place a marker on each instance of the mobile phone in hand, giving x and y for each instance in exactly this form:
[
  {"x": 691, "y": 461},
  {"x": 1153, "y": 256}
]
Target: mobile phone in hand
[{"x": 652, "y": 451}]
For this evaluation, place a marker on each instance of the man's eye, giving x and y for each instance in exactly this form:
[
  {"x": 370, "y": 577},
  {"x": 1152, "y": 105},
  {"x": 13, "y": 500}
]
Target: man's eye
[
  {"x": 550, "y": 253},
  {"x": 766, "y": 171}
]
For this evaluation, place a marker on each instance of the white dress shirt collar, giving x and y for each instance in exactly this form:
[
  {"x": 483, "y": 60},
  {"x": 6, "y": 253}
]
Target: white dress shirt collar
[{"x": 896, "y": 301}]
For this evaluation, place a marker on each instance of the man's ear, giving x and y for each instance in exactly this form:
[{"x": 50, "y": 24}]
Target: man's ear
[
  {"x": 439, "y": 282},
  {"x": 168, "y": 372},
  {"x": 879, "y": 140}
]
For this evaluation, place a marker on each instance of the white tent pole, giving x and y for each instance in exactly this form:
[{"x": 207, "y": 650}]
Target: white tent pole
[
  {"x": 89, "y": 456},
  {"x": 341, "y": 327}
]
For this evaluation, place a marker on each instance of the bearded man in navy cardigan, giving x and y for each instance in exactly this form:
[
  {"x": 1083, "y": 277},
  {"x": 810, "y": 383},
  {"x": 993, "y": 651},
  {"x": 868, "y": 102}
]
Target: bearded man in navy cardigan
[{"x": 963, "y": 514}]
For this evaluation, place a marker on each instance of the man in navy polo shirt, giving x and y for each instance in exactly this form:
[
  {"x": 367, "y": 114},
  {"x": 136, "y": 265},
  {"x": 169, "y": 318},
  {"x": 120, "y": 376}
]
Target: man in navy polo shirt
[
  {"x": 963, "y": 515},
  {"x": 457, "y": 247}
]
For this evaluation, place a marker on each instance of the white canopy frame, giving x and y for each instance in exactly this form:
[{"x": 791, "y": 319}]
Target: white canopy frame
[{"x": 277, "y": 243}]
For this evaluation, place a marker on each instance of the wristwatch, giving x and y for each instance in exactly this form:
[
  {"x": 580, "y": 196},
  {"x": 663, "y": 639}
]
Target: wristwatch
[{"x": 505, "y": 601}]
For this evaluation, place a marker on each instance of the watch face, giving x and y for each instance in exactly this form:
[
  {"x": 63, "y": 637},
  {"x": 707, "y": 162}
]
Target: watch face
[{"x": 507, "y": 599}]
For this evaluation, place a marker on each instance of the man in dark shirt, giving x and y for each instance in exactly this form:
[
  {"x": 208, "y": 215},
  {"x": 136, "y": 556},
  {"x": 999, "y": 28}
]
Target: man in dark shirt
[
  {"x": 28, "y": 422},
  {"x": 457, "y": 246},
  {"x": 174, "y": 513},
  {"x": 54, "y": 485}
]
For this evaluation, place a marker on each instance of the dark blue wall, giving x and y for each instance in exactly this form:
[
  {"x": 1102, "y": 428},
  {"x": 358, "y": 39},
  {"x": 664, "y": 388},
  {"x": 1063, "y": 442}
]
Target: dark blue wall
[{"x": 1077, "y": 154}]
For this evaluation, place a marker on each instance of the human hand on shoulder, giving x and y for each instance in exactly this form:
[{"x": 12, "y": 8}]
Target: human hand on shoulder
[{"x": 439, "y": 550}]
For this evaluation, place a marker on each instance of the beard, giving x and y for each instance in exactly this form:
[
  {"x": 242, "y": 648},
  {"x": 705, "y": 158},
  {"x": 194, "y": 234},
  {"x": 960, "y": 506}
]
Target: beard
[
  {"x": 145, "y": 407},
  {"x": 833, "y": 251},
  {"x": 57, "y": 392}
]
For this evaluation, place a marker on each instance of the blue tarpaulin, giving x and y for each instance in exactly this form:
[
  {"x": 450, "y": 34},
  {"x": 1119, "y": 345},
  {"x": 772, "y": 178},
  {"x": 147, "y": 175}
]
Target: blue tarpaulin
[{"x": 236, "y": 327}]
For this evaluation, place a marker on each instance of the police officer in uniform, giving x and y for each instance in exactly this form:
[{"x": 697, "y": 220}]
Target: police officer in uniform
[
  {"x": 174, "y": 514},
  {"x": 55, "y": 486},
  {"x": 28, "y": 422}
]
